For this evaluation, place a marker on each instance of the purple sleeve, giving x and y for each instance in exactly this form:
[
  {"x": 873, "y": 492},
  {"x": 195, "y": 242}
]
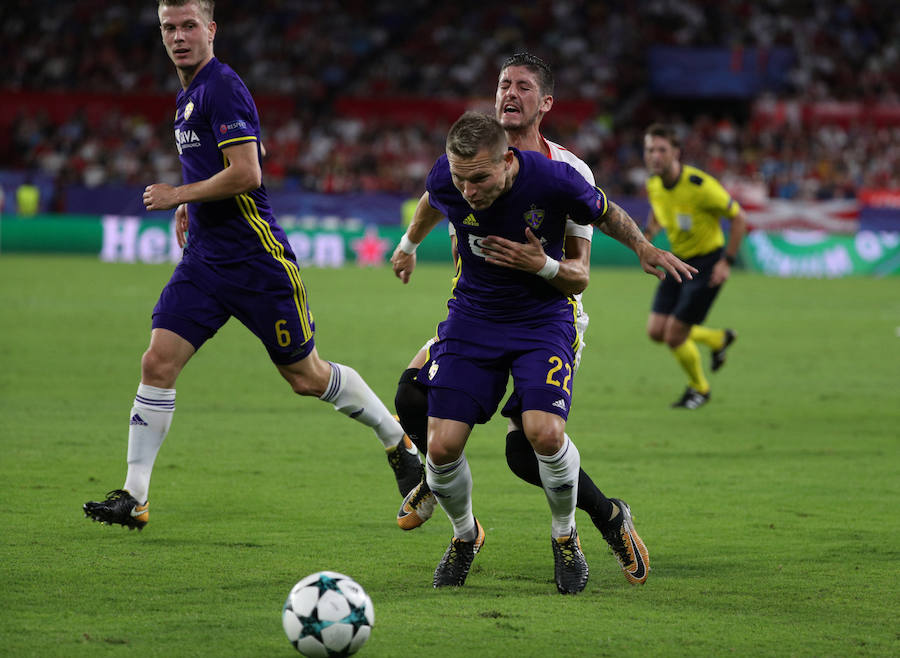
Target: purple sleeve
[
  {"x": 589, "y": 202},
  {"x": 233, "y": 115},
  {"x": 436, "y": 185}
]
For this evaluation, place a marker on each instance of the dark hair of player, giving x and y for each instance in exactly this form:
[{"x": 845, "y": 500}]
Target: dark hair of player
[
  {"x": 665, "y": 131},
  {"x": 537, "y": 66}
]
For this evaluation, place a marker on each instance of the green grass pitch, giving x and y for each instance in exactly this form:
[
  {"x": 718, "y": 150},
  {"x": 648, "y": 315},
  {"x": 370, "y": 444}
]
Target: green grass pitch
[{"x": 771, "y": 515}]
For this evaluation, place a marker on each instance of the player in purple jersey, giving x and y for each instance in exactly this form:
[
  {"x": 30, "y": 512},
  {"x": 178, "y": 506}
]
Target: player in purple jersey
[
  {"x": 237, "y": 263},
  {"x": 524, "y": 94},
  {"x": 504, "y": 321}
]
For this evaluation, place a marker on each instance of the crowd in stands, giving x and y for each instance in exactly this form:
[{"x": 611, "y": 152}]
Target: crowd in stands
[{"x": 317, "y": 51}]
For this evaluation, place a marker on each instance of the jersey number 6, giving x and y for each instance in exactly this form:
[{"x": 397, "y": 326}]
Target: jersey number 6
[{"x": 281, "y": 334}]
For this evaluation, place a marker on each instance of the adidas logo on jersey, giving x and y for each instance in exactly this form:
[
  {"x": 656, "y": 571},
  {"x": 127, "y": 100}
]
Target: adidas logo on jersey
[
  {"x": 470, "y": 220},
  {"x": 560, "y": 404},
  {"x": 137, "y": 420}
]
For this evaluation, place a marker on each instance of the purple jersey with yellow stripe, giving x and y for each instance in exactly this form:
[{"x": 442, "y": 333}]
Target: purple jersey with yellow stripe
[
  {"x": 217, "y": 111},
  {"x": 237, "y": 261},
  {"x": 544, "y": 193}
]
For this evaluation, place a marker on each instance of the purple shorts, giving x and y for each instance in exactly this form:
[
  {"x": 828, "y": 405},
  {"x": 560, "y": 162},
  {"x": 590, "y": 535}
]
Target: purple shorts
[
  {"x": 267, "y": 296},
  {"x": 469, "y": 365}
]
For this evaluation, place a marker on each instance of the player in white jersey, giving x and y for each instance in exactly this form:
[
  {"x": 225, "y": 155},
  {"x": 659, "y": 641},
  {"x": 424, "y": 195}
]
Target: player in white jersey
[
  {"x": 524, "y": 95},
  {"x": 574, "y": 230}
]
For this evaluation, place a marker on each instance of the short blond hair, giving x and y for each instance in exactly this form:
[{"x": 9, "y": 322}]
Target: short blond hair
[
  {"x": 207, "y": 7},
  {"x": 475, "y": 131}
]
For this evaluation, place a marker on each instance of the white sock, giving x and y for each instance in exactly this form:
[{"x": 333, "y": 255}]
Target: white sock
[
  {"x": 559, "y": 476},
  {"x": 350, "y": 395},
  {"x": 151, "y": 417},
  {"x": 452, "y": 487}
]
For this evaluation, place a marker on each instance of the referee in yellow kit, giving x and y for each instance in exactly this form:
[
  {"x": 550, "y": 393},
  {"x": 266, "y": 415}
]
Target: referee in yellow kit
[{"x": 689, "y": 204}]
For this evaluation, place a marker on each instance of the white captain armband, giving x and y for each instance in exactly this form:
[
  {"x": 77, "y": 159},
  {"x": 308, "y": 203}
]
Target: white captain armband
[
  {"x": 407, "y": 246},
  {"x": 549, "y": 270}
]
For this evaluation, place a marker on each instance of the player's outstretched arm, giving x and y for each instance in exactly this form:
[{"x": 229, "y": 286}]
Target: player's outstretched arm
[
  {"x": 573, "y": 271},
  {"x": 618, "y": 224},
  {"x": 425, "y": 218}
]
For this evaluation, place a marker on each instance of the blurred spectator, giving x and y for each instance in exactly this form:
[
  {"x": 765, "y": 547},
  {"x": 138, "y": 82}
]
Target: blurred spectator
[
  {"x": 28, "y": 198},
  {"x": 317, "y": 51}
]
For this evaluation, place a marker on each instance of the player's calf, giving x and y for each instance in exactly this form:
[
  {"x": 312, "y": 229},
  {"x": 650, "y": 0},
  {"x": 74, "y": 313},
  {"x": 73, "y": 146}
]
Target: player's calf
[{"x": 404, "y": 461}]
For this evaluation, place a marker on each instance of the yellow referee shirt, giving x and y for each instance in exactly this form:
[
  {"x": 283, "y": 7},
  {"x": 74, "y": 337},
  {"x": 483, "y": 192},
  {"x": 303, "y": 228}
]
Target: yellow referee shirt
[{"x": 690, "y": 210}]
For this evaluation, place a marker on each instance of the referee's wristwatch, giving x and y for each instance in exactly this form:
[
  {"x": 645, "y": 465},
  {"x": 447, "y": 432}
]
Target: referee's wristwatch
[{"x": 729, "y": 259}]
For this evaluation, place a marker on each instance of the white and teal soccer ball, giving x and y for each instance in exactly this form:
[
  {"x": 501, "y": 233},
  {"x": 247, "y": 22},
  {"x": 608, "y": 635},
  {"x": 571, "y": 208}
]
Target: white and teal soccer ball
[{"x": 327, "y": 614}]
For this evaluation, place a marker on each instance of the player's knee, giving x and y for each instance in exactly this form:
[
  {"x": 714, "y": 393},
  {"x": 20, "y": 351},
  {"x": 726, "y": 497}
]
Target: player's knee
[
  {"x": 656, "y": 334},
  {"x": 546, "y": 439},
  {"x": 675, "y": 338},
  {"x": 157, "y": 369},
  {"x": 411, "y": 398},
  {"x": 441, "y": 452},
  {"x": 411, "y": 404},
  {"x": 445, "y": 445}
]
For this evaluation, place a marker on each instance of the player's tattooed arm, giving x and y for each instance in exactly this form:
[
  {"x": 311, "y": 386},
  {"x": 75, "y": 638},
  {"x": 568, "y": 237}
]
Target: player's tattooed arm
[{"x": 618, "y": 224}]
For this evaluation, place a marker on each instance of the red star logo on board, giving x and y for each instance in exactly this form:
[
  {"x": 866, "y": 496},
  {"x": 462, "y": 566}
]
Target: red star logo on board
[{"x": 370, "y": 249}]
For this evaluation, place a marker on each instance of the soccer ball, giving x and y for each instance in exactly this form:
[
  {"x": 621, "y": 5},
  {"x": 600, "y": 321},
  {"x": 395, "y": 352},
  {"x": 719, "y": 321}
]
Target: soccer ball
[{"x": 327, "y": 614}]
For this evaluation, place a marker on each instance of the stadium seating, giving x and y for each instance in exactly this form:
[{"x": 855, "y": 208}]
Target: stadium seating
[{"x": 95, "y": 108}]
